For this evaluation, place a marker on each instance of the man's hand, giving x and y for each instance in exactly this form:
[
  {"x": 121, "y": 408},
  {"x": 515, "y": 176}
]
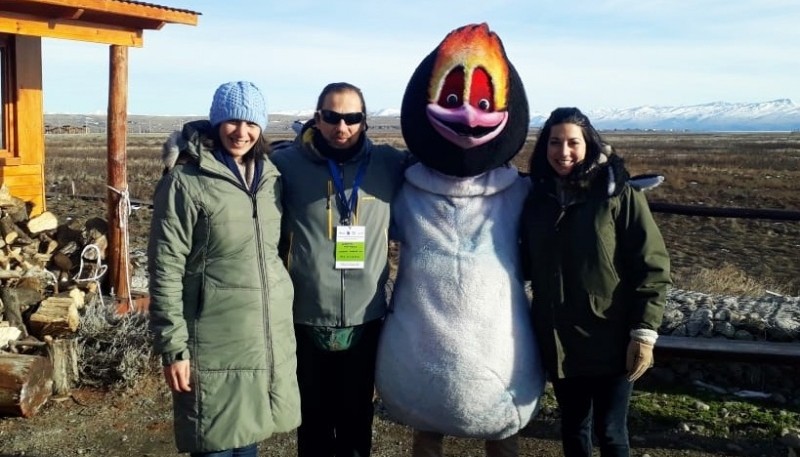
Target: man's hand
[
  {"x": 639, "y": 359},
  {"x": 177, "y": 376}
]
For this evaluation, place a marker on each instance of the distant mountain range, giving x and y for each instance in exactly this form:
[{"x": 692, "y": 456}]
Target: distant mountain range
[{"x": 775, "y": 115}]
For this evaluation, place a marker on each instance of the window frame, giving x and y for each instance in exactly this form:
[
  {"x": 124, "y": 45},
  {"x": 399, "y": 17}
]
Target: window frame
[{"x": 8, "y": 148}]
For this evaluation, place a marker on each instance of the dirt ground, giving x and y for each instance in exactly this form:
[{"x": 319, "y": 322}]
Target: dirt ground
[{"x": 137, "y": 421}]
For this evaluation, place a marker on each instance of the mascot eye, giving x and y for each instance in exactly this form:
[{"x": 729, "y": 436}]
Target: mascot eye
[
  {"x": 481, "y": 94},
  {"x": 452, "y": 89}
]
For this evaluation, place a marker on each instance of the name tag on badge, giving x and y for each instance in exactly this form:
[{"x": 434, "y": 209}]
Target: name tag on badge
[{"x": 350, "y": 246}]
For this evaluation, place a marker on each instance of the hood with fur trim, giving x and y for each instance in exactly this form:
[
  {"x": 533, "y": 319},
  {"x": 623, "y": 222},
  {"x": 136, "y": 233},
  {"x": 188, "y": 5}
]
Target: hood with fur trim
[{"x": 181, "y": 146}]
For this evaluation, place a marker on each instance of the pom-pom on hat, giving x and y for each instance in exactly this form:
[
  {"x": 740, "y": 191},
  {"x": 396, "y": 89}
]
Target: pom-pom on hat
[{"x": 238, "y": 100}]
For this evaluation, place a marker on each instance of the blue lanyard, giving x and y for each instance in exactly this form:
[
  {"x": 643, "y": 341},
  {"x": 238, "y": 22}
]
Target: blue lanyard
[{"x": 347, "y": 206}]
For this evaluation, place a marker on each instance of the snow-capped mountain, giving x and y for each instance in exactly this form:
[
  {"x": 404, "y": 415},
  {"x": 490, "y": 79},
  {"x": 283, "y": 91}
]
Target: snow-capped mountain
[{"x": 775, "y": 115}]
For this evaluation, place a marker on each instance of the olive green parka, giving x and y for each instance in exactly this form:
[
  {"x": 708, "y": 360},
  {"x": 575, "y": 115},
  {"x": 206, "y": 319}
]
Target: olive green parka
[
  {"x": 598, "y": 268},
  {"x": 221, "y": 297}
]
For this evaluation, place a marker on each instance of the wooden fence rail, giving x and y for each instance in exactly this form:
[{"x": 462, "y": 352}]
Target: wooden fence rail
[
  {"x": 722, "y": 349},
  {"x": 710, "y": 211}
]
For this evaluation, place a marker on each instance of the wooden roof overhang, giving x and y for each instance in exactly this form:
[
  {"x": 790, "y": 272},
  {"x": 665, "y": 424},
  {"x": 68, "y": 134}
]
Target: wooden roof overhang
[{"x": 117, "y": 22}]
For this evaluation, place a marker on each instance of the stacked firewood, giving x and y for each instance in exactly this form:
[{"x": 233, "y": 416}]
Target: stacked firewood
[{"x": 48, "y": 271}]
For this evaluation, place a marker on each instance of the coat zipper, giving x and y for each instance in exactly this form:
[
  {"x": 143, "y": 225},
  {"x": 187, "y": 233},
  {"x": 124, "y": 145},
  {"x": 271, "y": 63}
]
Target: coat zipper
[{"x": 265, "y": 308}]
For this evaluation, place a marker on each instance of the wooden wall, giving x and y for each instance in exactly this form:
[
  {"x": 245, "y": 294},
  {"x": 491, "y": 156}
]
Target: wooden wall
[{"x": 24, "y": 174}]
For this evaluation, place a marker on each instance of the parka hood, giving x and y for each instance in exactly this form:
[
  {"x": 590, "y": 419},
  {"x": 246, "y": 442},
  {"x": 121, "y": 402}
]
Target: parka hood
[{"x": 185, "y": 144}]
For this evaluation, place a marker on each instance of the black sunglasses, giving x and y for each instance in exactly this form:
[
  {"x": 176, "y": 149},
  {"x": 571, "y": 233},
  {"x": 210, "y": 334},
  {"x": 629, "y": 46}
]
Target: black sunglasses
[{"x": 332, "y": 117}]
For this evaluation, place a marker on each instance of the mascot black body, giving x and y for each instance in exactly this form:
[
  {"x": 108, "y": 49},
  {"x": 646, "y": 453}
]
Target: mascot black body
[{"x": 457, "y": 355}]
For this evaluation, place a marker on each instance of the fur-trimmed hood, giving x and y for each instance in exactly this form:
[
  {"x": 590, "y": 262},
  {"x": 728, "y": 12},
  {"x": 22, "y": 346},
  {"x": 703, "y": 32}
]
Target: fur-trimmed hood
[{"x": 185, "y": 144}]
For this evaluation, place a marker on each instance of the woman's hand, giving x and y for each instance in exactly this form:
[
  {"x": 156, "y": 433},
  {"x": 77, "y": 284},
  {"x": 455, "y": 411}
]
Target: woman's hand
[
  {"x": 177, "y": 376},
  {"x": 639, "y": 359}
]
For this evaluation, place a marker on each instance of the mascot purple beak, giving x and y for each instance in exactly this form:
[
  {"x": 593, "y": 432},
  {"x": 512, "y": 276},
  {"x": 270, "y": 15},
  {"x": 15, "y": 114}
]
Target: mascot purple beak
[{"x": 457, "y": 354}]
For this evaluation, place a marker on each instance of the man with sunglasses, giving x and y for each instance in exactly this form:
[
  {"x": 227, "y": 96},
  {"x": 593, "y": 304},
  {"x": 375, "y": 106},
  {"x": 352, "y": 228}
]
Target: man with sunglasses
[{"x": 337, "y": 186}]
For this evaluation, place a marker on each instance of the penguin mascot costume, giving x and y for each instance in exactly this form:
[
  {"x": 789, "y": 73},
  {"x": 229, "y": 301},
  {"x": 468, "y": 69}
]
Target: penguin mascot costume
[{"x": 457, "y": 354}]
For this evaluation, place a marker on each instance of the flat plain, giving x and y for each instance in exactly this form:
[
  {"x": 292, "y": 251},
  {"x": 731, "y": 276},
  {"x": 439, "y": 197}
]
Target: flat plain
[{"x": 726, "y": 170}]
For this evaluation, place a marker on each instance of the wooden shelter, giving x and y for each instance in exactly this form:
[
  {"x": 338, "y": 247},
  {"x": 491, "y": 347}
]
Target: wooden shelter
[{"x": 23, "y": 24}]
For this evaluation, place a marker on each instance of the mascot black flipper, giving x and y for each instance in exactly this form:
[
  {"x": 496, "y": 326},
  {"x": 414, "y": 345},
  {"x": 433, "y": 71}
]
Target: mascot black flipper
[{"x": 457, "y": 354}]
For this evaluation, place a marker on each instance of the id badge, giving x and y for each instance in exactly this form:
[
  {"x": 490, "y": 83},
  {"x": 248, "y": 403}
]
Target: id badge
[{"x": 351, "y": 241}]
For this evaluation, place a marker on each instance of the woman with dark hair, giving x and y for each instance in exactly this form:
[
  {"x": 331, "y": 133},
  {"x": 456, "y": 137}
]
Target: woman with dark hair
[
  {"x": 338, "y": 186},
  {"x": 221, "y": 301},
  {"x": 599, "y": 272}
]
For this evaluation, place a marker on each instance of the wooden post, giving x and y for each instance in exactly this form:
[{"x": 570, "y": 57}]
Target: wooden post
[{"x": 117, "y": 254}]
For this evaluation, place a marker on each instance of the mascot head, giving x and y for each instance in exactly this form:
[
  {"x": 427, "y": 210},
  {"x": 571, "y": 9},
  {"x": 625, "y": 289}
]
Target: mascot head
[{"x": 464, "y": 111}]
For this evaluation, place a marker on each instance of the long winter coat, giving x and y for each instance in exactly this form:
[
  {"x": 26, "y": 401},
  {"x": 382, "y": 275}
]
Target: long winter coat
[
  {"x": 221, "y": 297},
  {"x": 599, "y": 268}
]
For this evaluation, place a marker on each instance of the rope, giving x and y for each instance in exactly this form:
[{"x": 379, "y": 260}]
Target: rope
[
  {"x": 53, "y": 277},
  {"x": 124, "y": 210},
  {"x": 98, "y": 272}
]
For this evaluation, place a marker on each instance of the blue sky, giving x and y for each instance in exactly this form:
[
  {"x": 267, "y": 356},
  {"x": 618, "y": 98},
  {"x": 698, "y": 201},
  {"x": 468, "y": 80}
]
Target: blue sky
[{"x": 592, "y": 54}]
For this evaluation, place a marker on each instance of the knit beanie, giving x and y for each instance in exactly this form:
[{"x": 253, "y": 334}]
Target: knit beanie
[{"x": 238, "y": 100}]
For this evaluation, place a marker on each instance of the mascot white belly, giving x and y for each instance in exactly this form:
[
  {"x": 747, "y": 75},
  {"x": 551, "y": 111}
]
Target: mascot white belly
[{"x": 457, "y": 353}]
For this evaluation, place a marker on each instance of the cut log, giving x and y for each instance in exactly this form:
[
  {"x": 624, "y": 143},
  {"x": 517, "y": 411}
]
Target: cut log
[
  {"x": 56, "y": 316},
  {"x": 16, "y": 301},
  {"x": 47, "y": 245},
  {"x": 13, "y": 207},
  {"x": 26, "y": 383},
  {"x": 63, "y": 354},
  {"x": 10, "y": 274},
  {"x": 102, "y": 244},
  {"x": 8, "y": 334},
  {"x": 95, "y": 227},
  {"x": 63, "y": 262},
  {"x": 8, "y": 230},
  {"x": 68, "y": 248},
  {"x": 77, "y": 295},
  {"x": 42, "y": 223},
  {"x": 13, "y": 233},
  {"x": 35, "y": 282}
]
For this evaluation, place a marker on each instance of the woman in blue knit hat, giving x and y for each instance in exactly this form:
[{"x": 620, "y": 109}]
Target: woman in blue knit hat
[{"x": 221, "y": 300}]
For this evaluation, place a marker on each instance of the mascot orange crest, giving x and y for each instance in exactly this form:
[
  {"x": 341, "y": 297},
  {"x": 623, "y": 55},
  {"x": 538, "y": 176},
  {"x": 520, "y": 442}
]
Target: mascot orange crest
[{"x": 471, "y": 65}]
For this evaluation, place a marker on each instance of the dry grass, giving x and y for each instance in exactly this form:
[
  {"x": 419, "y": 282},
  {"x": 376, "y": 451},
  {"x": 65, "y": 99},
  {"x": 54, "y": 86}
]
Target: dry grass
[
  {"x": 115, "y": 349},
  {"x": 759, "y": 170}
]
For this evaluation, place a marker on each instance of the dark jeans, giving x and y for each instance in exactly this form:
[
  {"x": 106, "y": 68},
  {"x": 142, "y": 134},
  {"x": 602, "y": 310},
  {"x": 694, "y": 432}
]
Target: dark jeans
[
  {"x": 247, "y": 451},
  {"x": 599, "y": 404},
  {"x": 336, "y": 392}
]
